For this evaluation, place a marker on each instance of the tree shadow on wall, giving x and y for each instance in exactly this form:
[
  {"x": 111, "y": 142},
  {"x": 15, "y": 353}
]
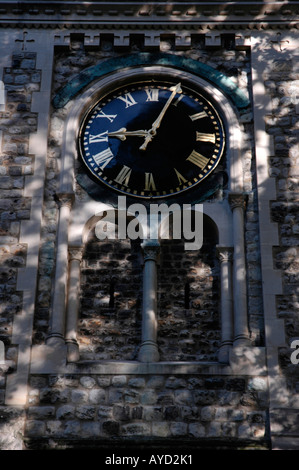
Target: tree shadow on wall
[
  {"x": 110, "y": 314},
  {"x": 189, "y": 299}
]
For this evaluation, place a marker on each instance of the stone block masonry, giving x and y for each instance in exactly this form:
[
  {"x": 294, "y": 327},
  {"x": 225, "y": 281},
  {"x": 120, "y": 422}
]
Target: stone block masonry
[
  {"x": 105, "y": 394},
  {"x": 99, "y": 407},
  {"x": 111, "y": 296},
  {"x": 64, "y": 408},
  {"x": 282, "y": 85},
  {"x": 188, "y": 312},
  {"x": 18, "y": 122}
]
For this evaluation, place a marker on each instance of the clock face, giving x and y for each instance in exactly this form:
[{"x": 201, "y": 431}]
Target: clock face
[{"x": 152, "y": 139}]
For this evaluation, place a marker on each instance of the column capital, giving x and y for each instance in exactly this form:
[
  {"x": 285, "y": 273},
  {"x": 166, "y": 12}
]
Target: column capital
[
  {"x": 237, "y": 200},
  {"x": 151, "y": 250},
  {"x": 75, "y": 253},
  {"x": 225, "y": 253},
  {"x": 65, "y": 199}
]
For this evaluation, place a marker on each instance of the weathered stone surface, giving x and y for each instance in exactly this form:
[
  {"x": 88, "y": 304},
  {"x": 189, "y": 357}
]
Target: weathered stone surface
[{"x": 93, "y": 406}]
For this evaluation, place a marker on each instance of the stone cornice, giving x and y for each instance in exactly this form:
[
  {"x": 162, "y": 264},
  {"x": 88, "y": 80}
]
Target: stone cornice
[{"x": 162, "y": 15}]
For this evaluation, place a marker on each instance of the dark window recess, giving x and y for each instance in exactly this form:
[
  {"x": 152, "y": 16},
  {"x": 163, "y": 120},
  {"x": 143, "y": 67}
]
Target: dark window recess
[{"x": 228, "y": 41}]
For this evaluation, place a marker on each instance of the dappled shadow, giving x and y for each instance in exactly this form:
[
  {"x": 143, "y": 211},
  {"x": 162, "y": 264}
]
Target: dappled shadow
[
  {"x": 101, "y": 407},
  {"x": 111, "y": 290},
  {"x": 189, "y": 299}
]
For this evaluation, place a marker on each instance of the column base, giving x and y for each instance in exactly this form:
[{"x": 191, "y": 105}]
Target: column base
[
  {"x": 55, "y": 339},
  {"x": 72, "y": 351},
  {"x": 148, "y": 352},
  {"x": 223, "y": 353},
  {"x": 49, "y": 357},
  {"x": 241, "y": 340}
]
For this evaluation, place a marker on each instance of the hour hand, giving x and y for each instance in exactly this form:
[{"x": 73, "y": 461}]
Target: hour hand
[{"x": 122, "y": 133}]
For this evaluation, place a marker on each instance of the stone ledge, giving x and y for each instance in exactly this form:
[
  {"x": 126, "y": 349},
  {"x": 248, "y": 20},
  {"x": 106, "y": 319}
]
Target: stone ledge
[
  {"x": 285, "y": 443},
  {"x": 243, "y": 361},
  {"x": 248, "y": 360},
  {"x": 285, "y": 426}
]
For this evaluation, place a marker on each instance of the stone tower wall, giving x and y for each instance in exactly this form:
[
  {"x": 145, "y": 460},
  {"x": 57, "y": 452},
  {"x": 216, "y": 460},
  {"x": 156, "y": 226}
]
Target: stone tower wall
[{"x": 188, "y": 398}]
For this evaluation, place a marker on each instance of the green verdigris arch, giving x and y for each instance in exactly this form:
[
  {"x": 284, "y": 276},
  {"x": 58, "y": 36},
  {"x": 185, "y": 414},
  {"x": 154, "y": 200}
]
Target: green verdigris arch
[{"x": 87, "y": 76}]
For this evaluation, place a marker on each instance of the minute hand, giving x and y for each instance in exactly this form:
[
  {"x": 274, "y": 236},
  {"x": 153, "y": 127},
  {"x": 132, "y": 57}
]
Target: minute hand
[{"x": 156, "y": 124}]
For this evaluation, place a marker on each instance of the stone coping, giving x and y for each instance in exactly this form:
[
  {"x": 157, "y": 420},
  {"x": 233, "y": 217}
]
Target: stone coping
[{"x": 207, "y": 14}]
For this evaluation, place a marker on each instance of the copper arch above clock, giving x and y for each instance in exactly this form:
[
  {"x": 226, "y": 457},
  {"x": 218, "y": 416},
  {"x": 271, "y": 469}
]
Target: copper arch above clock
[{"x": 152, "y": 138}]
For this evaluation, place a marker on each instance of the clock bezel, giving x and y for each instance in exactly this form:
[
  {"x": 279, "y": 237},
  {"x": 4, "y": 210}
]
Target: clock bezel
[{"x": 146, "y": 75}]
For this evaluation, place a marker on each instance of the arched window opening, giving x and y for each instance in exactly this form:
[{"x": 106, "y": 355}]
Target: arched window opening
[
  {"x": 188, "y": 299},
  {"x": 111, "y": 297}
]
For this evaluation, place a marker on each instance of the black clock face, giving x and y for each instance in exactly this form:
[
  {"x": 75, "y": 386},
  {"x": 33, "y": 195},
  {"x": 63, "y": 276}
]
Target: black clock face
[{"x": 152, "y": 139}]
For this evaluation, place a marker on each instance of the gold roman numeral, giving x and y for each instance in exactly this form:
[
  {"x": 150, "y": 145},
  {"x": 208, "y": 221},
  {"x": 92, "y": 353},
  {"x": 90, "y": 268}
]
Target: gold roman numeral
[
  {"x": 124, "y": 176},
  {"x": 202, "y": 137},
  {"x": 180, "y": 177},
  {"x": 198, "y": 159},
  {"x": 149, "y": 182},
  {"x": 196, "y": 116}
]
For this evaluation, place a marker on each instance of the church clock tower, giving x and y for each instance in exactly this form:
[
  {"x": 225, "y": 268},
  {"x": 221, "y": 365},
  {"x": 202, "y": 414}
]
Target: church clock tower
[{"x": 149, "y": 230}]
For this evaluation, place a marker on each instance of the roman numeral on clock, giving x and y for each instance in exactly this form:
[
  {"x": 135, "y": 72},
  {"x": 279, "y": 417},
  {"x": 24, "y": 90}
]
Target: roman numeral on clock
[
  {"x": 203, "y": 137},
  {"x": 180, "y": 177},
  {"x": 179, "y": 98},
  {"x": 103, "y": 158},
  {"x": 152, "y": 94},
  {"x": 111, "y": 117},
  {"x": 149, "y": 182},
  {"x": 198, "y": 159},
  {"x": 196, "y": 116},
  {"x": 103, "y": 137},
  {"x": 128, "y": 99},
  {"x": 124, "y": 176}
]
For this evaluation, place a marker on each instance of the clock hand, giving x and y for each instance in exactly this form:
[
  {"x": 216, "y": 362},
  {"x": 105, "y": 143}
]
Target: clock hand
[
  {"x": 122, "y": 133},
  {"x": 156, "y": 124},
  {"x": 175, "y": 89}
]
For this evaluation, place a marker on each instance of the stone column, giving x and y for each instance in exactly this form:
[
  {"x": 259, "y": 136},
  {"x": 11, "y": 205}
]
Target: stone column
[
  {"x": 241, "y": 335},
  {"x": 149, "y": 349},
  {"x": 225, "y": 256},
  {"x": 73, "y": 300},
  {"x": 57, "y": 330}
]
